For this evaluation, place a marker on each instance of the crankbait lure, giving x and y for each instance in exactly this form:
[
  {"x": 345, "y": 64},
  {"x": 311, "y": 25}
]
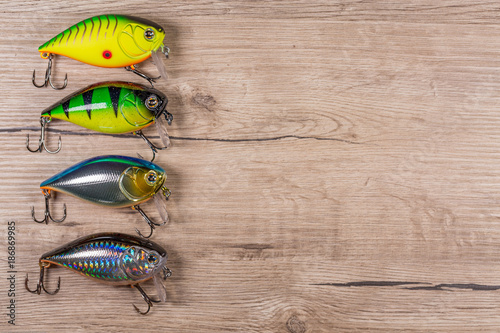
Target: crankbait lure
[
  {"x": 112, "y": 258},
  {"x": 111, "y": 107},
  {"x": 108, "y": 41},
  {"x": 115, "y": 181}
]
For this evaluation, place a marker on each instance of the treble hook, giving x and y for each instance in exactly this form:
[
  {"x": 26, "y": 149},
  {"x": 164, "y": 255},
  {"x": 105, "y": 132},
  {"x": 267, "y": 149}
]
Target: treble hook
[
  {"x": 148, "y": 220},
  {"x": 48, "y": 75},
  {"x": 41, "y": 142},
  {"x": 146, "y": 298},
  {"x": 40, "y": 285},
  {"x": 134, "y": 70},
  {"x": 46, "y": 194},
  {"x": 151, "y": 145}
]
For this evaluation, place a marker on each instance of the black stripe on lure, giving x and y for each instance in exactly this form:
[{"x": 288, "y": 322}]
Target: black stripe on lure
[
  {"x": 114, "y": 181},
  {"x": 113, "y": 108},
  {"x": 110, "y": 41},
  {"x": 112, "y": 258}
]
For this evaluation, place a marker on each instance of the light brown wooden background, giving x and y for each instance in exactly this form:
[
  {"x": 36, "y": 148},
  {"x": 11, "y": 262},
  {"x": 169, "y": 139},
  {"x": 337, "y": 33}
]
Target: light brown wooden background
[{"x": 335, "y": 167}]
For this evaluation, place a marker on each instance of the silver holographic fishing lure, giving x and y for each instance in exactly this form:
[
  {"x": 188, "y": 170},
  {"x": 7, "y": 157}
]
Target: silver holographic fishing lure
[{"x": 112, "y": 258}]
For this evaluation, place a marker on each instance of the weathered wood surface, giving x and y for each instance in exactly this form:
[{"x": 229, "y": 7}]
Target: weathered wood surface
[{"x": 334, "y": 167}]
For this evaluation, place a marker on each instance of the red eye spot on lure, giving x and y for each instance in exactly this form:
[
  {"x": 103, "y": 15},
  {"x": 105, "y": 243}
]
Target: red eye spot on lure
[{"x": 107, "y": 54}]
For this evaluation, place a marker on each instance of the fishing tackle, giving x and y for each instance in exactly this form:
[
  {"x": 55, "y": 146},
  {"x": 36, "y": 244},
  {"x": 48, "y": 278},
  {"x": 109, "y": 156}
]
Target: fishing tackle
[
  {"x": 47, "y": 195},
  {"x": 113, "y": 258},
  {"x": 110, "y": 41},
  {"x": 115, "y": 181},
  {"x": 111, "y": 107}
]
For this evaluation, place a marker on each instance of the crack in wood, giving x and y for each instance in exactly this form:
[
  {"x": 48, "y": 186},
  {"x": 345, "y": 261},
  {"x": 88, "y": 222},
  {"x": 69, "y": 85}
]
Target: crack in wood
[
  {"x": 445, "y": 286},
  {"x": 253, "y": 246},
  {"x": 180, "y": 138},
  {"x": 441, "y": 286},
  {"x": 369, "y": 284}
]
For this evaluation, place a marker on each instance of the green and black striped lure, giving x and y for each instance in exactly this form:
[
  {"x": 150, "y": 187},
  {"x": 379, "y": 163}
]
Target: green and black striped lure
[
  {"x": 111, "y": 258},
  {"x": 111, "y": 107}
]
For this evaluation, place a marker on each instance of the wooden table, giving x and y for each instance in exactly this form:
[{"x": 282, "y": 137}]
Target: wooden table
[{"x": 334, "y": 168}]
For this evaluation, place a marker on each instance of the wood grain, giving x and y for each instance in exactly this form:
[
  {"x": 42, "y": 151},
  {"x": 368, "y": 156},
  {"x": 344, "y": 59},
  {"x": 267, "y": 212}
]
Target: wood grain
[{"x": 334, "y": 167}]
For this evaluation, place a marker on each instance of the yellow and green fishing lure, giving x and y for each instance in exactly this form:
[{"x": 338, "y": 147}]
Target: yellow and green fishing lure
[
  {"x": 111, "y": 107},
  {"x": 109, "y": 41}
]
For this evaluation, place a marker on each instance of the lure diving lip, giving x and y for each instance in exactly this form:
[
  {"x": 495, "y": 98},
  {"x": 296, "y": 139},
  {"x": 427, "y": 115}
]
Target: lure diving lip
[
  {"x": 113, "y": 107},
  {"x": 111, "y": 258},
  {"x": 110, "y": 41},
  {"x": 111, "y": 180}
]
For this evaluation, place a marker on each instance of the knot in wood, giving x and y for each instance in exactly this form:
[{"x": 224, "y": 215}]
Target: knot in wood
[{"x": 295, "y": 325}]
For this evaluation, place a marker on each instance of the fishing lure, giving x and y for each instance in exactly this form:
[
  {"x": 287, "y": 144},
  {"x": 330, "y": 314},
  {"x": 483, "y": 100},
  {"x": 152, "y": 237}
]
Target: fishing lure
[
  {"x": 112, "y": 258},
  {"x": 111, "y": 107},
  {"x": 114, "y": 181},
  {"x": 108, "y": 41}
]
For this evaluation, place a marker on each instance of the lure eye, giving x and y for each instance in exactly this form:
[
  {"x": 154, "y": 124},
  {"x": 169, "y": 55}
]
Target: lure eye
[
  {"x": 152, "y": 102},
  {"x": 153, "y": 259},
  {"x": 149, "y": 34},
  {"x": 151, "y": 178},
  {"x": 106, "y": 54}
]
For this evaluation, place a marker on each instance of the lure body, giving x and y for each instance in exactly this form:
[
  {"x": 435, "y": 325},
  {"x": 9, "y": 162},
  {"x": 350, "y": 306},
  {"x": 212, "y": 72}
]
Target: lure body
[
  {"x": 115, "y": 181},
  {"x": 107, "y": 41},
  {"x": 113, "y": 258},
  {"x": 110, "y": 107}
]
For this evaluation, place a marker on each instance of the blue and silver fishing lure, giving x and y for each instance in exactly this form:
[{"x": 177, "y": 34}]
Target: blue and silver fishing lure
[{"x": 114, "y": 181}]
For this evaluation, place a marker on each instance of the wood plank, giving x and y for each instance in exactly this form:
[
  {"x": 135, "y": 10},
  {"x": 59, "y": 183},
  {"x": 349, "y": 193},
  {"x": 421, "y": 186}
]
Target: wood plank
[{"x": 333, "y": 168}]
